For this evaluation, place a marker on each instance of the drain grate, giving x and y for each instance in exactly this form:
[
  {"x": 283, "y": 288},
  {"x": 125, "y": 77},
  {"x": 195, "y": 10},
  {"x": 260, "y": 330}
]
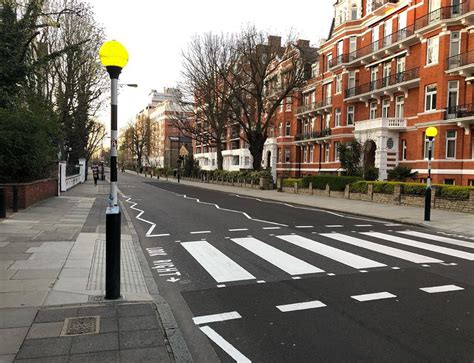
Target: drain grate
[{"x": 81, "y": 326}]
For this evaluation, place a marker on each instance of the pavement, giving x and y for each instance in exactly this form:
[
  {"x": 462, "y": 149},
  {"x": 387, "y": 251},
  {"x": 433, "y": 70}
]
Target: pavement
[
  {"x": 448, "y": 221},
  {"x": 52, "y": 270}
]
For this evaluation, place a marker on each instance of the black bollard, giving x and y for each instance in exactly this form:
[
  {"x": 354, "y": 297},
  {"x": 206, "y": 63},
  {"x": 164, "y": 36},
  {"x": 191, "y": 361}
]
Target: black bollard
[{"x": 112, "y": 254}]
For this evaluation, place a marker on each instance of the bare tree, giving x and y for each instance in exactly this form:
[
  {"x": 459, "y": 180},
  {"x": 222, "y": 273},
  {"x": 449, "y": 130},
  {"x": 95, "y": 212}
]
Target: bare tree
[
  {"x": 96, "y": 132},
  {"x": 205, "y": 65},
  {"x": 137, "y": 138},
  {"x": 262, "y": 75}
]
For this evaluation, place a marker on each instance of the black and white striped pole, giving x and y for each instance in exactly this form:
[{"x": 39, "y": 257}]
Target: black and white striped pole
[{"x": 114, "y": 57}]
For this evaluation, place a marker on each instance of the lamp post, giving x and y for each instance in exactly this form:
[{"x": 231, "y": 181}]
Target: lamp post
[
  {"x": 113, "y": 57},
  {"x": 430, "y": 133}
]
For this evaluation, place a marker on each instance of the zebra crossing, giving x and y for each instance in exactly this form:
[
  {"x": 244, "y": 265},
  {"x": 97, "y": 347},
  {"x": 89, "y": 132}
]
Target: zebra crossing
[{"x": 294, "y": 255}]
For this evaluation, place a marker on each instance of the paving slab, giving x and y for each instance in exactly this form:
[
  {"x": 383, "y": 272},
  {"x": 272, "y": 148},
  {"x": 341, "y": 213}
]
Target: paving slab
[
  {"x": 19, "y": 299},
  {"x": 33, "y": 274},
  {"x": 61, "y": 297},
  {"x": 95, "y": 343},
  {"x": 17, "y": 317},
  {"x": 141, "y": 339},
  {"x": 37, "y": 264},
  {"x": 25, "y": 285},
  {"x": 98, "y": 357},
  {"x": 12, "y": 339},
  {"x": 4, "y": 264},
  {"x": 6, "y": 274},
  {"x": 46, "y": 347},
  {"x": 45, "y": 330},
  {"x": 142, "y": 322}
]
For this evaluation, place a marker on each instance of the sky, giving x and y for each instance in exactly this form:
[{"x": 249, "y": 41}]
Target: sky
[{"x": 156, "y": 31}]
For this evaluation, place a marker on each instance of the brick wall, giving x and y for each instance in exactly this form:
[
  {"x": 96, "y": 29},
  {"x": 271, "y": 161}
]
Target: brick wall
[{"x": 31, "y": 193}]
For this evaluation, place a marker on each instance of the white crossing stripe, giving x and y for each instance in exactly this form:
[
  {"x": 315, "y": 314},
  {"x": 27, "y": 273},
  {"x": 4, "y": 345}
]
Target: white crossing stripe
[
  {"x": 373, "y": 296},
  {"x": 422, "y": 245},
  {"x": 434, "y": 237},
  {"x": 205, "y": 319},
  {"x": 282, "y": 260},
  {"x": 442, "y": 288},
  {"x": 271, "y": 228},
  {"x": 336, "y": 254},
  {"x": 363, "y": 225},
  {"x": 304, "y": 226},
  {"x": 301, "y": 306},
  {"x": 218, "y": 265},
  {"x": 386, "y": 250},
  {"x": 333, "y": 225},
  {"x": 199, "y": 232},
  {"x": 238, "y": 229},
  {"x": 225, "y": 345}
]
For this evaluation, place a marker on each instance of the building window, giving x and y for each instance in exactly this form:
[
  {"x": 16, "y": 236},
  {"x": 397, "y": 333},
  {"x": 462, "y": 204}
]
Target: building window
[
  {"x": 336, "y": 150},
  {"x": 352, "y": 45},
  {"x": 337, "y": 117},
  {"x": 354, "y": 12},
  {"x": 387, "y": 70},
  {"x": 449, "y": 181},
  {"x": 369, "y": 6},
  {"x": 430, "y": 97},
  {"x": 453, "y": 87},
  {"x": 311, "y": 153},
  {"x": 451, "y": 144},
  {"x": 432, "y": 50},
  {"x": 287, "y": 155},
  {"x": 326, "y": 153},
  {"x": 280, "y": 107},
  {"x": 287, "y": 128},
  {"x": 328, "y": 61},
  {"x": 399, "y": 106},
  {"x": 338, "y": 83},
  {"x": 280, "y": 129},
  {"x": 385, "y": 107},
  {"x": 404, "y": 149},
  {"x": 288, "y": 103},
  {"x": 279, "y": 154},
  {"x": 350, "y": 115},
  {"x": 235, "y": 160},
  {"x": 247, "y": 160},
  {"x": 373, "y": 77},
  {"x": 373, "y": 110},
  {"x": 426, "y": 147}
]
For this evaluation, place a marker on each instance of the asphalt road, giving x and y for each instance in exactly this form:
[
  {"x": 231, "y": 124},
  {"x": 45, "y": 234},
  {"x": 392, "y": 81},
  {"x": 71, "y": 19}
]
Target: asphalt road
[{"x": 255, "y": 280}]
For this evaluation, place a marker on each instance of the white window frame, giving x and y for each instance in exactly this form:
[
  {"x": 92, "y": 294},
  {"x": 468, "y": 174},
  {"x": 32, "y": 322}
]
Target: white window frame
[
  {"x": 337, "y": 117},
  {"x": 399, "y": 107},
  {"x": 453, "y": 87},
  {"x": 352, "y": 44},
  {"x": 373, "y": 110},
  {"x": 338, "y": 84},
  {"x": 287, "y": 128},
  {"x": 451, "y": 139},
  {"x": 350, "y": 112},
  {"x": 432, "y": 50},
  {"x": 404, "y": 149},
  {"x": 288, "y": 103},
  {"x": 385, "y": 107},
  {"x": 431, "y": 97},
  {"x": 328, "y": 61},
  {"x": 326, "y": 153},
  {"x": 287, "y": 155},
  {"x": 336, "y": 150},
  {"x": 311, "y": 153},
  {"x": 426, "y": 146}
]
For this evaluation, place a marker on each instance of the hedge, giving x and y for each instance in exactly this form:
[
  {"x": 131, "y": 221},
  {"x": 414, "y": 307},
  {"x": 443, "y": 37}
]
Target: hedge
[
  {"x": 359, "y": 187},
  {"x": 248, "y": 176},
  {"x": 336, "y": 183},
  {"x": 290, "y": 182},
  {"x": 455, "y": 192}
]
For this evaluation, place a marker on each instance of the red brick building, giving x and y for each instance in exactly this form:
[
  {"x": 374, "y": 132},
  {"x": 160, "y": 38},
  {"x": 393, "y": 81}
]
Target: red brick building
[{"x": 388, "y": 70}]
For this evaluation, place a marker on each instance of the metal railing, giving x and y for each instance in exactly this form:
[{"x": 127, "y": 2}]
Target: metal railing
[
  {"x": 313, "y": 135},
  {"x": 460, "y": 111},
  {"x": 460, "y": 60},
  {"x": 447, "y": 12},
  {"x": 308, "y": 108},
  {"x": 383, "y": 82}
]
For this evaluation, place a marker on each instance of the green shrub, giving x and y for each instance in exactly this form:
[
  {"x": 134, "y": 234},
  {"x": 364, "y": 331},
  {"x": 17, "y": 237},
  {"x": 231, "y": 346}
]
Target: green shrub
[
  {"x": 384, "y": 187},
  {"x": 454, "y": 192},
  {"x": 413, "y": 188},
  {"x": 359, "y": 187},
  {"x": 336, "y": 183},
  {"x": 402, "y": 173},
  {"x": 371, "y": 174},
  {"x": 290, "y": 182}
]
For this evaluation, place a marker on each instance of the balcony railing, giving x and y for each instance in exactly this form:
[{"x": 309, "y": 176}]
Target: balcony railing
[
  {"x": 460, "y": 60},
  {"x": 443, "y": 13},
  {"x": 447, "y": 12},
  {"x": 383, "y": 83},
  {"x": 308, "y": 108},
  {"x": 313, "y": 135},
  {"x": 460, "y": 111},
  {"x": 381, "y": 122}
]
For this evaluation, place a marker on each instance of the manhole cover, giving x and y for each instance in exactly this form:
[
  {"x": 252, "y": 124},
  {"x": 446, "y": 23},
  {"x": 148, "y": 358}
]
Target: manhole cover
[{"x": 81, "y": 326}]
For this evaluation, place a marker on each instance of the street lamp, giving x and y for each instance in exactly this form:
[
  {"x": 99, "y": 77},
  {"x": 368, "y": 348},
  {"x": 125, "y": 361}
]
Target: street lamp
[
  {"x": 113, "y": 57},
  {"x": 430, "y": 133}
]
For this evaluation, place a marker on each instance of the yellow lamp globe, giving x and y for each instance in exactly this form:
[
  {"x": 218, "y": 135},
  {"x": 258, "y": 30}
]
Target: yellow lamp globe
[
  {"x": 431, "y": 131},
  {"x": 113, "y": 54}
]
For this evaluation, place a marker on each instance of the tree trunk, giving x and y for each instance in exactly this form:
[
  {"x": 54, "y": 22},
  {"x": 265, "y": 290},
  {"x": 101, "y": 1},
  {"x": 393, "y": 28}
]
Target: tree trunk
[
  {"x": 256, "y": 150},
  {"x": 220, "y": 158}
]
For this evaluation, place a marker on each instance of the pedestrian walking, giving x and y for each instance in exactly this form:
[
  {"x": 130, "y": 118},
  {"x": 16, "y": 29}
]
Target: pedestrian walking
[{"x": 95, "y": 174}]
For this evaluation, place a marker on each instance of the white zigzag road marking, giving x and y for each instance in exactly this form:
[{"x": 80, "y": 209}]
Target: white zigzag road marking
[
  {"x": 138, "y": 216},
  {"x": 305, "y": 208},
  {"x": 231, "y": 210}
]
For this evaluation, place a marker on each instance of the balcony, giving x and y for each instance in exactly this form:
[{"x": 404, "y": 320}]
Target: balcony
[
  {"x": 463, "y": 115},
  {"x": 307, "y": 110},
  {"x": 462, "y": 64},
  {"x": 398, "y": 82},
  {"x": 324, "y": 105},
  {"x": 445, "y": 14},
  {"x": 387, "y": 123},
  {"x": 391, "y": 43},
  {"x": 313, "y": 135}
]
